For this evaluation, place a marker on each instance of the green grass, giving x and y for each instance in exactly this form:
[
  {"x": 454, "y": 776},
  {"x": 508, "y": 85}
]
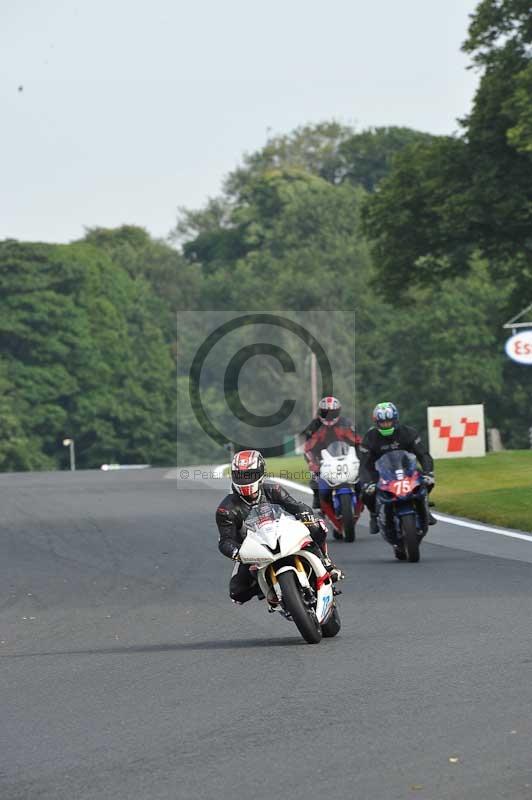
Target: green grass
[{"x": 496, "y": 489}]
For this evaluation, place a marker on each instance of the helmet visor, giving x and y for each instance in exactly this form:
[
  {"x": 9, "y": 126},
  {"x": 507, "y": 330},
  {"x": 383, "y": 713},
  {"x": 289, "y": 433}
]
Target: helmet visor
[
  {"x": 249, "y": 490},
  {"x": 385, "y": 423},
  {"x": 245, "y": 477},
  {"x": 329, "y": 416},
  {"x": 386, "y": 426}
]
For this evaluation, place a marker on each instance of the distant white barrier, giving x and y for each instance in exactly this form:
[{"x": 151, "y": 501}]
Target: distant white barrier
[{"x": 107, "y": 467}]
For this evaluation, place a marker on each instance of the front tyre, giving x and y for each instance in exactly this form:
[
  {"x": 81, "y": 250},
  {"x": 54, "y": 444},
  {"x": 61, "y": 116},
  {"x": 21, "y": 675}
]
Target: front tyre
[
  {"x": 410, "y": 537},
  {"x": 305, "y": 619},
  {"x": 348, "y": 517},
  {"x": 332, "y": 626}
]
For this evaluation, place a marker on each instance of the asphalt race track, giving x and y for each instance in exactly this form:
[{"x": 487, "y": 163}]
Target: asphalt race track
[{"x": 126, "y": 673}]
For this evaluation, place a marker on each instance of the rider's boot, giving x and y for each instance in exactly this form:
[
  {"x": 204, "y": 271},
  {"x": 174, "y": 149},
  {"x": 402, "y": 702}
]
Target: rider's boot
[
  {"x": 323, "y": 554},
  {"x": 335, "y": 572},
  {"x": 399, "y": 552},
  {"x": 373, "y": 523},
  {"x": 313, "y": 483},
  {"x": 429, "y": 518}
]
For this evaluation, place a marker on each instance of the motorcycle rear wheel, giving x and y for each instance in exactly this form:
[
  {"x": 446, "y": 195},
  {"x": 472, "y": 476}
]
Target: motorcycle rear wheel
[
  {"x": 305, "y": 620},
  {"x": 348, "y": 517},
  {"x": 410, "y": 538}
]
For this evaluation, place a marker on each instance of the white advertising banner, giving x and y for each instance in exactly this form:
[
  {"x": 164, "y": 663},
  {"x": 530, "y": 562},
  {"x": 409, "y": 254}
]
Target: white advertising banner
[
  {"x": 456, "y": 431},
  {"x": 519, "y": 347}
]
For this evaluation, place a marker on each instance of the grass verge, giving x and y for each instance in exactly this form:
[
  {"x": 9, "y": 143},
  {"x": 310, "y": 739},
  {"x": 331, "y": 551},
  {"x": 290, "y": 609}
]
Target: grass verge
[{"x": 496, "y": 489}]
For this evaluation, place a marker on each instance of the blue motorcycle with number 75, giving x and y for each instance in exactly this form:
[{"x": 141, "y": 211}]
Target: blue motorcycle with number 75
[{"x": 401, "y": 503}]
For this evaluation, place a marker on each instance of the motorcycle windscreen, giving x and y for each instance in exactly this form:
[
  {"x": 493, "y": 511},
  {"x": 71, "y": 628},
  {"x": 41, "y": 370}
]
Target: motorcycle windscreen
[
  {"x": 264, "y": 515},
  {"x": 338, "y": 449},
  {"x": 396, "y": 465}
]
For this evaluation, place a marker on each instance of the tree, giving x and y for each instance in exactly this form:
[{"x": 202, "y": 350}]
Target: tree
[
  {"x": 309, "y": 148},
  {"x": 83, "y": 356},
  {"x": 17, "y": 451},
  {"x": 366, "y": 158},
  {"x": 496, "y": 26},
  {"x": 421, "y": 230},
  {"x": 445, "y": 201},
  {"x": 174, "y": 281}
]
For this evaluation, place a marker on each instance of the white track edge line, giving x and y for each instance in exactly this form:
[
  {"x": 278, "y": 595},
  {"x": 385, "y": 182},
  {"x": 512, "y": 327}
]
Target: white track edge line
[
  {"x": 219, "y": 471},
  {"x": 484, "y": 528}
]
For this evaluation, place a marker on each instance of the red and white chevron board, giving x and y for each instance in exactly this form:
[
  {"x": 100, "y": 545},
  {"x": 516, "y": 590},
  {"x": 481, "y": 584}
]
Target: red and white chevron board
[{"x": 456, "y": 431}]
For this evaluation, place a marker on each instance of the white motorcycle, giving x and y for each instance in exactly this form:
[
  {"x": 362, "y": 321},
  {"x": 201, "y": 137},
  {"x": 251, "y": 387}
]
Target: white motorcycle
[
  {"x": 293, "y": 580},
  {"x": 338, "y": 475}
]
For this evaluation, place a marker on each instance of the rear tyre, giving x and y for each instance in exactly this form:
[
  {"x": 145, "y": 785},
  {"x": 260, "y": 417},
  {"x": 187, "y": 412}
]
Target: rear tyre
[
  {"x": 305, "y": 619},
  {"x": 348, "y": 517},
  {"x": 410, "y": 538},
  {"x": 332, "y": 626},
  {"x": 399, "y": 552}
]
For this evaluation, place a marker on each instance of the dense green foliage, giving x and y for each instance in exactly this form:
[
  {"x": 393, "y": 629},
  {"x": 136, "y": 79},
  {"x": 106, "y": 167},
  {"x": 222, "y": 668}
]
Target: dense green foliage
[
  {"x": 82, "y": 355},
  {"x": 472, "y": 193}
]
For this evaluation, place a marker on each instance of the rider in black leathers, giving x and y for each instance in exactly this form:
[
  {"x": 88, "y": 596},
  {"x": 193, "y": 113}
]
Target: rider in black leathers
[
  {"x": 248, "y": 465},
  {"x": 388, "y": 435}
]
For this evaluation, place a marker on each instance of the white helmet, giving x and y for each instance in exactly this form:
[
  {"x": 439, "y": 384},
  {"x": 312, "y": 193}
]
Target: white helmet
[
  {"x": 329, "y": 410},
  {"x": 247, "y": 474}
]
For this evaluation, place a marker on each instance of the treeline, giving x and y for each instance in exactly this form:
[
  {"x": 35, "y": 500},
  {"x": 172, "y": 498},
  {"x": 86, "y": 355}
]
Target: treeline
[
  {"x": 83, "y": 353},
  {"x": 428, "y": 238}
]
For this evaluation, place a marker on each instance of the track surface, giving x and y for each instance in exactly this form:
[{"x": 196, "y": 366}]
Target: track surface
[{"x": 126, "y": 673}]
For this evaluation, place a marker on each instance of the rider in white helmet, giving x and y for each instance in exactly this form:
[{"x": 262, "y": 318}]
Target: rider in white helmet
[
  {"x": 248, "y": 490},
  {"x": 327, "y": 427}
]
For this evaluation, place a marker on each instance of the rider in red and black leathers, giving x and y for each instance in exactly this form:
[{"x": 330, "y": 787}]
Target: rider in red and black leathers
[
  {"x": 324, "y": 429},
  {"x": 235, "y": 507}
]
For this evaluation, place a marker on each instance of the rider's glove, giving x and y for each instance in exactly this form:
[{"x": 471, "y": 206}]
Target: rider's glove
[
  {"x": 307, "y": 518},
  {"x": 322, "y": 526},
  {"x": 428, "y": 479},
  {"x": 369, "y": 488},
  {"x": 236, "y": 554}
]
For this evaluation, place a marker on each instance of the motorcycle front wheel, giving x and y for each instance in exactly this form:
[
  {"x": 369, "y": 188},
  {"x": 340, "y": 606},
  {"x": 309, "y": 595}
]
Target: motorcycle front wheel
[
  {"x": 410, "y": 537},
  {"x": 332, "y": 626},
  {"x": 305, "y": 619}
]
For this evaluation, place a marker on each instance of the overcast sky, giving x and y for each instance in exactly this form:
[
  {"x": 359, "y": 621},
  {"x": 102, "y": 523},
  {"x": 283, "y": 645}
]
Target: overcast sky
[{"x": 119, "y": 111}]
